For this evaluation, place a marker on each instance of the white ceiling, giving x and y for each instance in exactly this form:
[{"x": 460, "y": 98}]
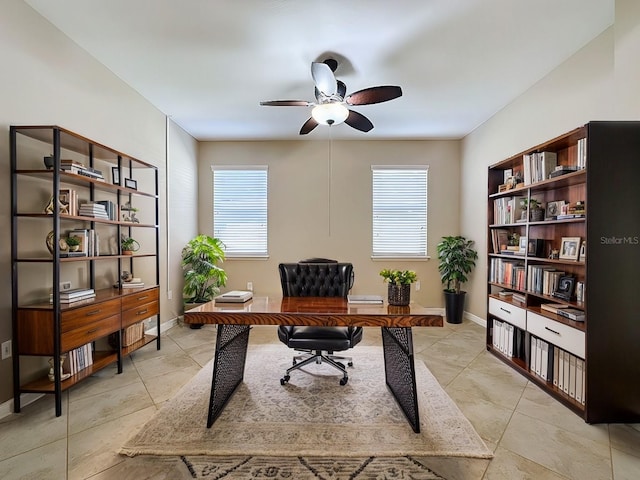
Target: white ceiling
[{"x": 208, "y": 63}]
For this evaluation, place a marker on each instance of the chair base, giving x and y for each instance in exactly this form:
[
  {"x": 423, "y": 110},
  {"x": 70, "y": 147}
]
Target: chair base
[{"x": 319, "y": 356}]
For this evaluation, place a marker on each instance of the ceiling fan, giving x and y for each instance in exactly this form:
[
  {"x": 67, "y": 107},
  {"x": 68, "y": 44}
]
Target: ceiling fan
[{"x": 330, "y": 107}]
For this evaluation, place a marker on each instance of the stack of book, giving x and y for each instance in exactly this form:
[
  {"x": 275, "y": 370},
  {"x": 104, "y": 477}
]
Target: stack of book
[
  {"x": 75, "y": 295},
  {"x": 73, "y": 166},
  {"x": 134, "y": 283},
  {"x": 572, "y": 314},
  {"x": 94, "y": 209},
  {"x": 78, "y": 359},
  {"x": 132, "y": 334},
  {"x": 111, "y": 208}
]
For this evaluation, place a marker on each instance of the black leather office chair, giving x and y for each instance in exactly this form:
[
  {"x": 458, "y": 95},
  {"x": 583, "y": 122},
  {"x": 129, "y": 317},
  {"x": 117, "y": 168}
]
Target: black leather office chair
[{"x": 318, "y": 277}]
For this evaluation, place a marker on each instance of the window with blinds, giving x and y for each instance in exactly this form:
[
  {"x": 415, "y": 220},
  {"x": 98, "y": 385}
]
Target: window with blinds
[
  {"x": 240, "y": 209},
  {"x": 400, "y": 211}
]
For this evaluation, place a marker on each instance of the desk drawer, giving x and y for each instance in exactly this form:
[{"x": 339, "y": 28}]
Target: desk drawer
[
  {"x": 559, "y": 334},
  {"x": 78, "y": 317},
  {"x": 89, "y": 332},
  {"x": 141, "y": 312},
  {"x": 508, "y": 312},
  {"x": 139, "y": 298}
]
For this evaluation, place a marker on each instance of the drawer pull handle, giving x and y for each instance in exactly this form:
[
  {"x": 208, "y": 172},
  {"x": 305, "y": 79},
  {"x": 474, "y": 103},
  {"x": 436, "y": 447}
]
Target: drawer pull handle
[
  {"x": 141, "y": 312},
  {"x": 142, "y": 297},
  {"x": 505, "y": 310},
  {"x": 93, "y": 331},
  {"x": 93, "y": 312},
  {"x": 552, "y": 331}
]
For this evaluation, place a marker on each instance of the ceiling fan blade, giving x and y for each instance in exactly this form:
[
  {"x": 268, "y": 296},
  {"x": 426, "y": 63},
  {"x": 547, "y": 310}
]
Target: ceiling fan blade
[
  {"x": 324, "y": 78},
  {"x": 342, "y": 89},
  {"x": 286, "y": 103},
  {"x": 308, "y": 126},
  {"x": 358, "y": 121},
  {"x": 371, "y": 95}
]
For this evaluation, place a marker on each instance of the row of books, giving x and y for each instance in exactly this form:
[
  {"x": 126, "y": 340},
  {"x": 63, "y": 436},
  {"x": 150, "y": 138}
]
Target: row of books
[
  {"x": 507, "y": 339},
  {"x": 75, "y": 295},
  {"x": 78, "y": 359},
  {"x": 507, "y": 210},
  {"x": 543, "y": 279},
  {"x": 556, "y": 365},
  {"x": 581, "y": 154},
  {"x": 507, "y": 272},
  {"x": 538, "y": 166}
]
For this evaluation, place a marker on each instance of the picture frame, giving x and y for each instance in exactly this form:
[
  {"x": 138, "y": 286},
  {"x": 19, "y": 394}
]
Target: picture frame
[
  {"x": 535, "y": 247},
  {"x": 115, "y": 175},
  {"x": 131, "y": 183},
  {"x": 522, "y": 245},
  {"x": 553, "y": 209},
  {"x": 570, "y": 248},
  {"x": 565, "y": 288},
  {"x": 507, "y": 173}
]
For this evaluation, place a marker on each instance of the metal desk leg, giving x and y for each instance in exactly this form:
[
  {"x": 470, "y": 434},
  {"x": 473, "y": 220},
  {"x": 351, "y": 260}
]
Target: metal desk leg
[
  {"x": 228, "y": 367},
  {"x": 399, "y": 370}
]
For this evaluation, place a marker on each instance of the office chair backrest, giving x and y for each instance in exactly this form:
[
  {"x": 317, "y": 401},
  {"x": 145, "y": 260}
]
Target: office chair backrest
[{"x": 325, "y": 279}]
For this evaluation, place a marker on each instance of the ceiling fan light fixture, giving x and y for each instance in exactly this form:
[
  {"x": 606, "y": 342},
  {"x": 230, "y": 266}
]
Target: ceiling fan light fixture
[{"x": 330, "y": 113}]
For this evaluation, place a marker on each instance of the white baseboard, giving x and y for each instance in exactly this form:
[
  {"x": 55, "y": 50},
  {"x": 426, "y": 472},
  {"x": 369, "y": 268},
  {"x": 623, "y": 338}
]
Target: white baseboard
[
  {"x": 6, "y": 408},
  {"x": 163, "y": 326},
  {"x": 475, "y": 319}
]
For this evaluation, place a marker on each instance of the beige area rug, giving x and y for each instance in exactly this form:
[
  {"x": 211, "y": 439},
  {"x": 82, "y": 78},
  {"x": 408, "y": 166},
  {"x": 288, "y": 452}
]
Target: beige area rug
[{"x": 313, "y": 415}]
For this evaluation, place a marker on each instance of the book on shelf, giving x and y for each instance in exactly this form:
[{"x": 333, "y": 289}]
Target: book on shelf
[
  {"x": 365, "y": 299},
  {"x": 505, "y": 294},
  {"x": 538, "y": 166},
  {"x": 89, "y": 296},
  {"x": 518, "y": 297},
  {"x": 553, "y": 307},
  {"x": 572, "y": 314},
  {"x": 132, "y": 284},
  {"x": 110, "y": 208}
]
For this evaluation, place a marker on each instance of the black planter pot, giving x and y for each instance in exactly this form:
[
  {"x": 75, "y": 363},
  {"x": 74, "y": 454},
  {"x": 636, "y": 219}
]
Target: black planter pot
[{"x": 454, "y": 306}]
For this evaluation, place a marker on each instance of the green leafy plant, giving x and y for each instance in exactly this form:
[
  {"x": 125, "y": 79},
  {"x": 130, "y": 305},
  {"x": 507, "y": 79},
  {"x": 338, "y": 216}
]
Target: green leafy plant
[
  {"x": 532, "y": 203},
  {"x": 399, "y": 277},
  {"x": 72, "y": 241},
  {"x": 457, "y": 260},
  {"x": 202, "y": 277},
  {"x": 129, "y": 244}
]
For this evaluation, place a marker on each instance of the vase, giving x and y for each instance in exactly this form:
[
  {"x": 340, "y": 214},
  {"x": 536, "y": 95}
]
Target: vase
[{"x": 399, "y": 294}]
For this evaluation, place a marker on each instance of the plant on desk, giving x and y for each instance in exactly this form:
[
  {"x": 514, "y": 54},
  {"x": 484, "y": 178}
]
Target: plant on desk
[
  {"x": 202, "y": 277},
  {"x": 399, "y": 290}
]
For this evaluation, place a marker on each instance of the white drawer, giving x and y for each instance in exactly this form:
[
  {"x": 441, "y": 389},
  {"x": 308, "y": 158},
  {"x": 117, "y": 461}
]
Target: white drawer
[
  {"x": 559, "y": 334},
  {"x": 508, "y": 312}
]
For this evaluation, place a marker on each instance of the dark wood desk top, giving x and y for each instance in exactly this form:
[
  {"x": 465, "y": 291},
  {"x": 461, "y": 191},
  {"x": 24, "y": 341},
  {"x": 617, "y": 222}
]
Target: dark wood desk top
[{"x": 321, "y": 311}]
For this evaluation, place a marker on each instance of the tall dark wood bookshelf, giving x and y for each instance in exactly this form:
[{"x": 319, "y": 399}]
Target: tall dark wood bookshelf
[{"x": 606, "y": 269}]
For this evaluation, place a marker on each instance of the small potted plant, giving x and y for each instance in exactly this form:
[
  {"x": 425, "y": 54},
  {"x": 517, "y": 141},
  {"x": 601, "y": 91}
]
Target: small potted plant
[
  {"x": 399, "y": 289},
  {"x": 129, "y": 245},
  {"x": 73, "y": 243},
  {"x": 533, "y": 209},
  {"x": 457, "y": 260}
]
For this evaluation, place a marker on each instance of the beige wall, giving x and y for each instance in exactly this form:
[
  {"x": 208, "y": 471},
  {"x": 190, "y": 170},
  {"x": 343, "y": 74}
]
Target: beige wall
[
  {"x": 46, "y": 79},
  {"x": 580, "y": 90},
  {"x": 320, "y": 205}
]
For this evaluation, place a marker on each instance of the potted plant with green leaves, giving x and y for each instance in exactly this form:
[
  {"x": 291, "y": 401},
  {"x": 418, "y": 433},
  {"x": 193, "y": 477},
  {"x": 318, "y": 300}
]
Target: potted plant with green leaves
[
  {"x": 457, "y": 260},
  {"x": 532, "y": 209},
  {"x": 399, "y": 289},
  {"x": 202, "y": 276},
  {"x": 128, "y": 245},
  {"x": 73, "y": 243}
]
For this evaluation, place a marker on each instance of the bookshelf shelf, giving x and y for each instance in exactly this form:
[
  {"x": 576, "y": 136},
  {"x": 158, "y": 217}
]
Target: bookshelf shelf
[
  {"x": 600, "y": 352},
  {"x": 89, "y": 332}
]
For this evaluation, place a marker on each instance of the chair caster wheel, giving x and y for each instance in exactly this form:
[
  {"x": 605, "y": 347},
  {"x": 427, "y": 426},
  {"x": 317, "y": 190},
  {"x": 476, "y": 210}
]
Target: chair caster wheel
[
  {"x": 344, "y": 380},
  {"x": 350, "y": 364},
  {"x": 284, "y": 379}
]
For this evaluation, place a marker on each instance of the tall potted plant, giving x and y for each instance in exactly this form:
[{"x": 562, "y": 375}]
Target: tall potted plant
[
  {"x": 457, "y": 259},
  {"x": 202, "y": 276}
]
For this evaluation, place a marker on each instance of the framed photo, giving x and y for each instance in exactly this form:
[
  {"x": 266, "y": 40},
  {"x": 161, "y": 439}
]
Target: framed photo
[
  {"x": 553, "y": 210},
  {"x": 522, "y": 247},
  {"x": 507, "y": 174},
  {"x": 570, "y": 248},
  {"x": 130, "y": 183},
  {"x": 115, "y": 175},
  {"x": 566, "y": 285},
  {"x": 535, "y": 247}
]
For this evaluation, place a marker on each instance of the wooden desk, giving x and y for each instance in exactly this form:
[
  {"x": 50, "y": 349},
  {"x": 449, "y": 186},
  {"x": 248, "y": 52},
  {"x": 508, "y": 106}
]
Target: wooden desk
[{"x": 234, "y": 320}]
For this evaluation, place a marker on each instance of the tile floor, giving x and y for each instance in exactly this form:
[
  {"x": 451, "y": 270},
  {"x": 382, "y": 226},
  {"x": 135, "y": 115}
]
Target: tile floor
[{"x": 532, "y": 435}]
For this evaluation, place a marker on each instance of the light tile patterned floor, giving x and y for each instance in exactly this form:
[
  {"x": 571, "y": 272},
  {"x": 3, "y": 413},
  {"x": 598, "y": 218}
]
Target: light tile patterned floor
[{"x": 532, "y": 435}]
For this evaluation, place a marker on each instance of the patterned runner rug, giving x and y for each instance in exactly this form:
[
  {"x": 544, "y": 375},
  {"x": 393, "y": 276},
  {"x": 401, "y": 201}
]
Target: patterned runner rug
[{"x": 311, "y": 416}]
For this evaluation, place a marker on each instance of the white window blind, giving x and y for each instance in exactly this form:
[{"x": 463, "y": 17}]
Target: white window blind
[
  {"x": 240, "y": 210},
  {"x": 400, "y": 211}
]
